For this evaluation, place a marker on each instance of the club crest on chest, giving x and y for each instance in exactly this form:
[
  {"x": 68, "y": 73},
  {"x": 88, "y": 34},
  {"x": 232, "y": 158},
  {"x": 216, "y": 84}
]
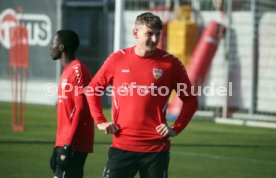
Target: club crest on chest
[{"x": 157, "y": 72}]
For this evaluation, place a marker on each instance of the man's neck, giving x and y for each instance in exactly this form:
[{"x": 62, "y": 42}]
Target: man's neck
[
  {"x": 143, "y": 53},
  {"x": 66, "y": 59}
]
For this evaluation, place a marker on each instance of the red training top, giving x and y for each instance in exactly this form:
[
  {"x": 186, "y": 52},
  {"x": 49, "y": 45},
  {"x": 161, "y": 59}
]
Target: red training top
[
  {"x": 75, "y": 125},
  {"x": 141, "y": 88}
]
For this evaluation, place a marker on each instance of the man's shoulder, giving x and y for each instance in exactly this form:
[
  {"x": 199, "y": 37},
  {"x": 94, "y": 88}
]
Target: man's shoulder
[
  {"x": 170, "y": 58},
  {"x": 78, "y": 67},
  {"x": 76, "y": 63},
  {"x": 165, "y": 55},
  {"x": 123, "y": 52}
]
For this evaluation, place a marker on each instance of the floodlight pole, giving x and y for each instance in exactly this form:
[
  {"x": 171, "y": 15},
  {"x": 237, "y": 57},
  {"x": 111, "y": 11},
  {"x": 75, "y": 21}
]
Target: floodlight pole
[
  {"x": 255, "y": 58},
  {"x": 59, "y": 26},
  {"x": 227, "y": 55},
  {"x": 119, "y": 18}
]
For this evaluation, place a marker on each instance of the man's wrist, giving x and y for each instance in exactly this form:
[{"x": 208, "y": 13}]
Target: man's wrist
[
  {"x": 100, "y": 123},
  {"x": 66, "y": 146},
  {"x": 66, "y": 149},
  {"x": 172, "y": 132}
]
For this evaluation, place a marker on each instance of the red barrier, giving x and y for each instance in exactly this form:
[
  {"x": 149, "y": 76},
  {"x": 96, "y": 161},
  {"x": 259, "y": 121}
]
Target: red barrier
[{"x": 204, "y": 52}]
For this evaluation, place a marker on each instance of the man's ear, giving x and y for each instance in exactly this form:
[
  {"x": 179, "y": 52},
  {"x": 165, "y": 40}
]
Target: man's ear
[
  {"x": 61, "y": 47},
  {"x": 134, "y": 32}
]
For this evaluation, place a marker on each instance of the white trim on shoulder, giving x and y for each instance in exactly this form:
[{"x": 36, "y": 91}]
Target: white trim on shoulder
[
  {"x": 166, "y": 55},
  {"x": 122, "y": 51}
]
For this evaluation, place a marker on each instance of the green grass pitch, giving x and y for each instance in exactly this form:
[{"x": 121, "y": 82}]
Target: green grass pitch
[{"x": 203, "y": 150}]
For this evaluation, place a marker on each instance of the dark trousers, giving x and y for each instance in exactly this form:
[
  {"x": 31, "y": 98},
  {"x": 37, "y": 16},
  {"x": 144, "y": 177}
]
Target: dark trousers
[
  {"x": 125, "y": 164},
  {"x": 75, "y": 167}
]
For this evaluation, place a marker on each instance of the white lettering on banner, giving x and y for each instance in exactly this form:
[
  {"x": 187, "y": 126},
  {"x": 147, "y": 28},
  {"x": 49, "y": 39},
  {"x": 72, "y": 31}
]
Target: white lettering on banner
[{"x": 38, "y": 25}]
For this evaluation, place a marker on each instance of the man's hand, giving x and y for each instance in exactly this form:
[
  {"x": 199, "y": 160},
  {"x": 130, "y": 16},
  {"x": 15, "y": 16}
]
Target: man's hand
[
  {"x": 108, "y": 127},
  {"x": 65, "y": 157},
  {"x": 165, "y": 130}
]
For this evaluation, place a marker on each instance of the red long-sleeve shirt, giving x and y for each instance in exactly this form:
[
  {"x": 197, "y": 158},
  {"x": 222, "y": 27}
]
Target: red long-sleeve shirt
[
  {"x": 141, "y": 88},
  {"x": 75, "y": 125}
]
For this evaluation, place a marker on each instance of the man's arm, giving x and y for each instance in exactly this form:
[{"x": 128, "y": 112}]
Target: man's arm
[
  {"x": 189, "y": 105},
  {"x": 95, "y": 90},
  {"x": 186, "y": 114},
  {"x": 189, "y": 100},
  {"x": 76, "y": 119},
  {"x": 95, "y": 107}
]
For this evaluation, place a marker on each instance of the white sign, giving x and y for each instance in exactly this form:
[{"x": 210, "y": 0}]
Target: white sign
[{"x": 38, "y": 25}]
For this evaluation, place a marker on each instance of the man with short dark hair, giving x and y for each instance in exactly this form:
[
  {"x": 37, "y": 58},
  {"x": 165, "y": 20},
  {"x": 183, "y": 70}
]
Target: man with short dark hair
[
  {"x": 142, "y": 78},
  {"x": 75, "y": 127}
]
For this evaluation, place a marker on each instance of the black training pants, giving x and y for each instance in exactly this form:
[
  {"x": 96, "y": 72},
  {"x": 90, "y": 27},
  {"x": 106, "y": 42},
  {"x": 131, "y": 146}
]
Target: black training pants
[{"x": 125, "y": 164}]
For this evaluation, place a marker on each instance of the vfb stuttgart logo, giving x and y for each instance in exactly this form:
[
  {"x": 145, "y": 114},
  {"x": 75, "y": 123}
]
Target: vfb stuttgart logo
[
  {"x": 157, "y": 72},
  {"x": 38, "y": 25}
]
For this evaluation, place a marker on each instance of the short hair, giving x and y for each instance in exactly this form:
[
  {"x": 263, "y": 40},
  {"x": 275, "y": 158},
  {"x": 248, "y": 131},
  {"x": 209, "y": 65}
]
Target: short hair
[
  {"x": 69, "y": 39},
  {"x": 150, "y": 20}
]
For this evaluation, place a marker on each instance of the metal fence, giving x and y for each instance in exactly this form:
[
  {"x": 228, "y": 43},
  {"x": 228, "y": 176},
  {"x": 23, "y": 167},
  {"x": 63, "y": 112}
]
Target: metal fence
[{"x": 244, "y": 61}]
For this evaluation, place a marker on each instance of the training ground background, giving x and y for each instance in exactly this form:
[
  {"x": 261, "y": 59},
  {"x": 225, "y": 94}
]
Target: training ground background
[{"x": 203, "y": 150}]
